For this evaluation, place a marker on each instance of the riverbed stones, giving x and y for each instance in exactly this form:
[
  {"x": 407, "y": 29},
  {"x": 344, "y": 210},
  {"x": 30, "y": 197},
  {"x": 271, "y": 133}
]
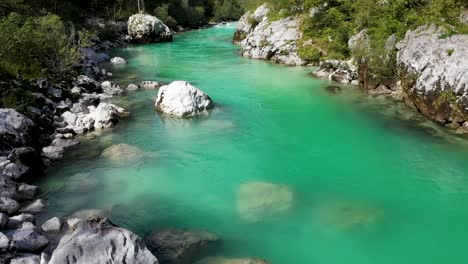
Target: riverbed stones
[
  {"x": 15, "y": 129},
  {"x": 65, "y": 143},
  {"x": 52, "y": 225},
  {"x": 96, "y": 241},
  {"x": 106, "y": 115},
  {"x": 53, "y": 153},
  {"x": 118, "y": 60},
  {"x": 257, "y": 201},
  {"x": 111, "y": 88},
  {"x": 149, "y": 85},
  {"x": 15, "y": 171},
  {"x": 87, "y": 83},
  {"x": 17, "y": 220},
  {"x": 27, "y": 191},
  {"x": 69, "y": 118},
  {"x": 275, "y": 40},
  {"x": 146, "y": 28},
  {"x": 85, "y": 214},
  {"x": 223, "y": 260},
  {"x": 123, "y": 153},
  {"x": 4, "y": 243},
  {"x": 132, "y": 87},
  {"x": 27, "y": 238},
  {"x": 34, "y": 207},
  {"x": 3, "y": 220},
  {"x": 433, "y": 73},
  {"x": 180, "y": 246},
  {"x": 338, "y": 71},
  {"x": 182, "y": 99},
  {"x": 348, "y": 215}
]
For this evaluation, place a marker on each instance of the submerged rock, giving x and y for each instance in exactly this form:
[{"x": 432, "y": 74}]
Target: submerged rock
[
  {"x": 53, "y": 153},
  {"x": 149, "y": 85},
  {"x": 180, "y": 98},
  {"x": 223, "y": 260},
  {"x": 433, "y": 71},
  {"x": 347, "y": 215},
  {"x": 96, "y": 241},
  {"x": 147, "y": 28},
  {"x": 179, "y": 246},
  {"x": 111, "y": 88},
  {"x": 259, "y": 200},
  {"x": 106, "y": 115},
  {"x": 123, "y": 153},
  {"x": 15, "y": 129}
]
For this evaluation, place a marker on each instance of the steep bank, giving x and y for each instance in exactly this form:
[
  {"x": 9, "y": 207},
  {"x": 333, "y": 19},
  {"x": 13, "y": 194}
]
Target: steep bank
[
  {"x": 426, "y": 68},
  {"x": 433, "y": 70},
  {"x": 50, "y": 124}
]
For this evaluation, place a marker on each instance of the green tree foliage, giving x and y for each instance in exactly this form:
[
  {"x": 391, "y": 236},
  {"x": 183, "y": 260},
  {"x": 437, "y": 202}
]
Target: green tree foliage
[
  {"x": 227, "y": 10},
  {"x": 34, "y": 47}
]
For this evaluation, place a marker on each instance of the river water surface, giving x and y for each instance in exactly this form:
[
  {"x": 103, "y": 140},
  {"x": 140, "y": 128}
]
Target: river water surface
[{"x": 368, "y": 186}]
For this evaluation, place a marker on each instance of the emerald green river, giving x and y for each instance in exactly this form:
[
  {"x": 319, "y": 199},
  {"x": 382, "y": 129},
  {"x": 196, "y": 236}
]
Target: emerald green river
[{"x": 337, "y": 177}]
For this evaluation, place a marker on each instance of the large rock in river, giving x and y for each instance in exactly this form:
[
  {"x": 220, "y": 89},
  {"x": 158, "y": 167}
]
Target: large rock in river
[
  {"x": 276, "y": 40},
  {"x": 146, "y": 28},
  {"x": 96, "y": 241},
  {"x": 434, "y": 77},
  {"x": 259, "y": 200},
  {"x": 180, "y": 246},
  {"x": 180, "y": 98}
]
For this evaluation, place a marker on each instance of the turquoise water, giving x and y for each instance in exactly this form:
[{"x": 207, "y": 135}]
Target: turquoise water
[{"x": 368, "y": 186}]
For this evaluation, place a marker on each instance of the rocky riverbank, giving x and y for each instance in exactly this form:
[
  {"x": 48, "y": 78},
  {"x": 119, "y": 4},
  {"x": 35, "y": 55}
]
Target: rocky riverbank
[
  {"x": 430, "y": 63},
  {"x": 70, "y": 110},
  {"x": 52, "y": 123}
]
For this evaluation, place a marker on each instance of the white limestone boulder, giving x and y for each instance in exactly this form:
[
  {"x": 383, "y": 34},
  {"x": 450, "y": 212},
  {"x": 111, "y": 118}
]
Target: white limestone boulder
[{"x": 180, "y": 98}]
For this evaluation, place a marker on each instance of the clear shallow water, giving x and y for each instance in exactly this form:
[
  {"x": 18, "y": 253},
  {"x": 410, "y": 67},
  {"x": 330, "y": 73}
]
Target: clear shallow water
[{"x": 369, "y": 187}]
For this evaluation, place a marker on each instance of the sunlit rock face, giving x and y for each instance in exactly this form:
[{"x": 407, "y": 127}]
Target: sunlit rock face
[
  {"x": 180, "y": 98},
  {"x": 146, "y": 28}
]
